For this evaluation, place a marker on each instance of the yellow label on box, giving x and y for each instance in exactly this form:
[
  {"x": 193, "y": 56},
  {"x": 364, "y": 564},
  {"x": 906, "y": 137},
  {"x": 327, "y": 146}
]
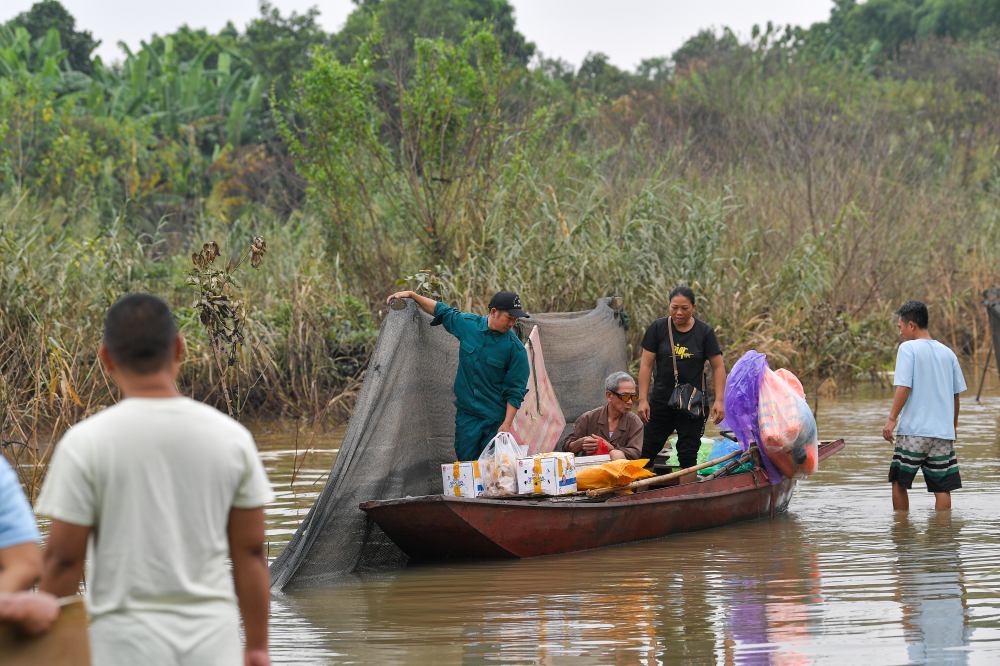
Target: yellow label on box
[
  {"x": 462, "y": 479},
  {"x": 547, "y": 474}
]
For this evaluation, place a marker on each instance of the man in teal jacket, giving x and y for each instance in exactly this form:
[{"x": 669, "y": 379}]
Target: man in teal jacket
[{"x": 492, "y": 373}]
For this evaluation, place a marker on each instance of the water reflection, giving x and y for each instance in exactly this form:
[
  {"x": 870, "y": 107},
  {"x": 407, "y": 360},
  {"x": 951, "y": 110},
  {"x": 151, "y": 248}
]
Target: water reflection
[
  {"x": 769, "y": 603},
  {"x": 838, "y": 579},
  {"x": 929, "y": 588}
]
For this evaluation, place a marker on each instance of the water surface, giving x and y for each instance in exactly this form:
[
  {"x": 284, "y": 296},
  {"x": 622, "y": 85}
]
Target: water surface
[{"x": 839, "y": 579}]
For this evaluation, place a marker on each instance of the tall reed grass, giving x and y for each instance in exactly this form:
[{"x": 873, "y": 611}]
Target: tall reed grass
[{"x": 308, "y": 338}]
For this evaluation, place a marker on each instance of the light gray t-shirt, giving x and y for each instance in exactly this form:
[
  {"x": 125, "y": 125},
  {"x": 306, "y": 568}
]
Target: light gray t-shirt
[
  {"x": 156, "y": 479},
  {"x": 932, "y": 373}
]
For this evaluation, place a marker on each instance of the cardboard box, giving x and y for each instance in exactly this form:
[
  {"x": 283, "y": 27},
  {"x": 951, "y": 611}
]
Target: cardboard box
[
  {"x": 590, "y": 461},
  {"x": 462, "y": 479},
  {"x": 546, "y": 474}
]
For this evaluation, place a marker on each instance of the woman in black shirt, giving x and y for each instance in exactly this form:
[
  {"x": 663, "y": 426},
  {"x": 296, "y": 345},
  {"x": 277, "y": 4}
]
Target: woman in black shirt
[{"x": 694, "y": 342}]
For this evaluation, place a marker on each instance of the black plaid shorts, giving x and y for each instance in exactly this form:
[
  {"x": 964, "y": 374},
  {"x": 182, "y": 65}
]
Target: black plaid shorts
[{"x": 935, "y": 456}]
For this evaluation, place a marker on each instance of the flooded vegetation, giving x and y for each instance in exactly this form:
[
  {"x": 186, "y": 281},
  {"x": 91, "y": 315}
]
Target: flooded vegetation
[{"x": 839, "y": 578}]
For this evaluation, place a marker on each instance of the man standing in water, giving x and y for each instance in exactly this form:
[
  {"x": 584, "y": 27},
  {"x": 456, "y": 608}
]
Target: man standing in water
[
  {"x": 928, "y": 380},
  {"x": 492, "y": 377},
  {"x": 167, "y": 489}
]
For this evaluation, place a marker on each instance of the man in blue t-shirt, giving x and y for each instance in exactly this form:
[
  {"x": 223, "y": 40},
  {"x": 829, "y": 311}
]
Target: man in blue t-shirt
[
  {"x": 20, "y": 560},
  {"x": 928, "y": 381}
]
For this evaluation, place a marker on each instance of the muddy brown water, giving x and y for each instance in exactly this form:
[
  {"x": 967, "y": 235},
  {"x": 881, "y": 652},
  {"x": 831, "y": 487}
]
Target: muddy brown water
[{"x": 838, "y": 579}]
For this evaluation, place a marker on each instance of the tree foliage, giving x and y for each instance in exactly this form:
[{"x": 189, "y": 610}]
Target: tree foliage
[
  {"x": 279, "y": 48},
  {"x": 403, "y": 20},
  {"x": 50, "y": 14},
  {"x": 420, "y": 156},
  {"x": 894, "y": 23}
]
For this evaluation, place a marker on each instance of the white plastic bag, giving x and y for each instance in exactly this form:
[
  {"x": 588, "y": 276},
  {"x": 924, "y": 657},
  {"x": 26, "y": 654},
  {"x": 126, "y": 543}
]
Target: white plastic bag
[{"x": 498, "y": 466}]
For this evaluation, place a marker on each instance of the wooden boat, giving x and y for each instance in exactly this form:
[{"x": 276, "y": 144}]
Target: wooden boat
[{"x": 437, "y": 527}]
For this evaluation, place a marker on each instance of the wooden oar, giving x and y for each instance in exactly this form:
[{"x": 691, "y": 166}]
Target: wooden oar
[
  {"x": 637, "y": 485},
  {"x": 732, "y": 465}
]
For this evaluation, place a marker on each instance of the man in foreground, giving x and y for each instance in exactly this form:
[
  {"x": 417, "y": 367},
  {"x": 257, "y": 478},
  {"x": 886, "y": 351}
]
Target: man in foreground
[
  {"x": 614, "y": 423},
  {"x": 928, "y": 381},
  {"x": 21, "y": 561},
  {"x": 167, "y": 487},
  {"x": 492, "y": 377}
]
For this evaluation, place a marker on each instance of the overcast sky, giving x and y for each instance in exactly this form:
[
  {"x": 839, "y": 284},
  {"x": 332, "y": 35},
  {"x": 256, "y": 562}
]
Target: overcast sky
[{"x": 626, "y": 30}]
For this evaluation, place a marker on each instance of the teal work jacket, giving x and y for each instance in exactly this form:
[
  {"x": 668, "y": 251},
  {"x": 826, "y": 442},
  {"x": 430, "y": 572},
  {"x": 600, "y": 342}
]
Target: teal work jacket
[{"x": 492, "y": 366}]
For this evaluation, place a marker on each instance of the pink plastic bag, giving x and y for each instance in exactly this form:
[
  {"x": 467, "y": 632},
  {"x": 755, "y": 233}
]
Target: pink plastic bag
[
  {"x": 787, "y": 425},
  {"x": 539, "y": 421},
  {"x": 792, "y": 381}
]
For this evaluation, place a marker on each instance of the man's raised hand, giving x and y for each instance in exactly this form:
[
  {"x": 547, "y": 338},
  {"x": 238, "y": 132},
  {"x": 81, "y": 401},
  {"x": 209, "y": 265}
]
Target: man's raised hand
[{"x": 399, "y": 294}]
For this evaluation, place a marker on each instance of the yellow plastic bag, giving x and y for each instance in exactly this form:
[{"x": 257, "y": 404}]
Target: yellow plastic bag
[
  {"x": 633, "y": 471},
  {"x": 612, "y": 474},
  {"x": 596, "y": 476}
]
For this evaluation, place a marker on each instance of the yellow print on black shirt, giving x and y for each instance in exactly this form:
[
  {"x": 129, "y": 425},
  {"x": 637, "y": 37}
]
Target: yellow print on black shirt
[{"x": 681, "y": 352}]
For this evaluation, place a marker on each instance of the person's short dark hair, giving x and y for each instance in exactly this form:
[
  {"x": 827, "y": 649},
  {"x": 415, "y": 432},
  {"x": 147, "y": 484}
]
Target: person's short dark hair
[
  {"x": 682, "y": 290},
  {"x": 914, "y": 311},
  {"x": 139, "y": 333}
]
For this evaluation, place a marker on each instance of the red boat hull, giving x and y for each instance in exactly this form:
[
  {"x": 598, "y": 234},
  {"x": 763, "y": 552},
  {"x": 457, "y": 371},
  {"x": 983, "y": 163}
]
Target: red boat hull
[{"x": 437, "y": 527}]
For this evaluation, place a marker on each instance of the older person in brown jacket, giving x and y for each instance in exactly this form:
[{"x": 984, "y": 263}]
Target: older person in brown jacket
[{"x": 614, "y": 423}]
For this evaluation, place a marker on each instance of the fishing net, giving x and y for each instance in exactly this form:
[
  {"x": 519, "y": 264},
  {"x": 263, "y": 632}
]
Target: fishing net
[
  {"x": 991, "y": 299},
  {"x": 403, "y": 428}
]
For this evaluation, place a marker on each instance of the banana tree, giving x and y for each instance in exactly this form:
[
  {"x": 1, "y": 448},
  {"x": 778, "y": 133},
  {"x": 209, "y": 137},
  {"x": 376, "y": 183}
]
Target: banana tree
[
  {"x": 183, "y": 98},
  {"x": 215, "y": 107},
  {"x": 20, "y": 56}
]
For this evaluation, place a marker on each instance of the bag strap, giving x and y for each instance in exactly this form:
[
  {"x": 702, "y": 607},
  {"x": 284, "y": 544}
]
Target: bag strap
[
  {"x": 673, "y": 350},
  {"x": 704, "y": 396}
]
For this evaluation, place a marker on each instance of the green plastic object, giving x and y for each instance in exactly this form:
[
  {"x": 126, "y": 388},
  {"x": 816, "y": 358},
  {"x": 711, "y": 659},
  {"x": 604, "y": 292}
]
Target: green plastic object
[
  {"x": 703, "y": 451},
  {"x": 704, "y": 455},
  {"x": 742, "y": 469},
  {"x": 722, "y": 448}
]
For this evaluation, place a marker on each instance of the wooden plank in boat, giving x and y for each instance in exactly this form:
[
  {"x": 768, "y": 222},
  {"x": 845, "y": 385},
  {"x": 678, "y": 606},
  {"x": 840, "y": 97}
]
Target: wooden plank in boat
[
  {"x": 65, "y": 645},
  {"x": 528, "y": 498}
]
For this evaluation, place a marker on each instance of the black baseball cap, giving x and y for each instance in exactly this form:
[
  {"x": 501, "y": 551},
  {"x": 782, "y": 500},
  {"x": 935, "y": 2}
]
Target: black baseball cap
[{"x": 509, "y": 302}]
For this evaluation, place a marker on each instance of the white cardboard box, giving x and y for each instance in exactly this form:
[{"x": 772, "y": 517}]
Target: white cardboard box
[
  {"x": 462, "y": 479},
  {"x": 546, "y": 474}
]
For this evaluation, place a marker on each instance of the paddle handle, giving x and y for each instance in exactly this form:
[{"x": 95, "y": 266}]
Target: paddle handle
[{"x": 636, "y": 485}]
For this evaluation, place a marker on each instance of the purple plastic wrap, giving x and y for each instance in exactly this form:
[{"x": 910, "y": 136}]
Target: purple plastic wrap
[{"x": 742, "y": 397}]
